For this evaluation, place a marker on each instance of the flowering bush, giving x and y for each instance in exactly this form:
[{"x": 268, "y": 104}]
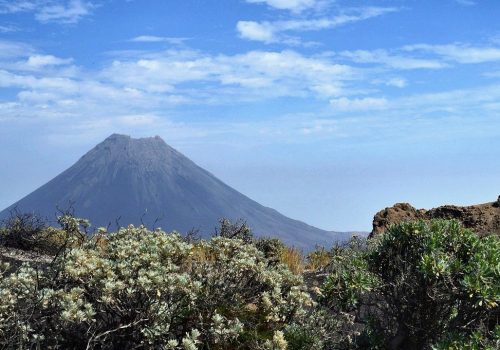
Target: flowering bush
[
  {"x": 419, "y": 286},
  {"x": 151, "y": 290}
]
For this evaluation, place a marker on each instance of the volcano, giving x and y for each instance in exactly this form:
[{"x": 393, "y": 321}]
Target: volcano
[{"x": 145, "y": 181}]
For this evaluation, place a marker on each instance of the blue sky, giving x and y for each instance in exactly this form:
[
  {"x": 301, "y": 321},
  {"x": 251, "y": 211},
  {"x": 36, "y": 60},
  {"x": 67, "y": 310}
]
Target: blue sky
[{"x": 327, "y": 111}]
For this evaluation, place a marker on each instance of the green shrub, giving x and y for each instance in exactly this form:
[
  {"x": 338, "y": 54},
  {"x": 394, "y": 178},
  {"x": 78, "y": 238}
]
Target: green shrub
[
  {"x": 478, "y": 340},
  {"x": 417, "y": 284},
  {"x": 318, "y": 259},
  {"x": 422, "y": 285},
  {"x": 28, "y": 231},
  {"x": 349, "y": 281},
  {"x": 272, "y": 248},
  {"x": 22, "y": 230},
  {"x": 238, "y": 229},
  {"x": 320, "y": 329},
  {"x": 276, "y": 252}
]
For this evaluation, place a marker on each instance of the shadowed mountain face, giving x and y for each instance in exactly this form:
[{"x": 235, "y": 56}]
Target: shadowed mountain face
[{"x": 144, "y": 180}]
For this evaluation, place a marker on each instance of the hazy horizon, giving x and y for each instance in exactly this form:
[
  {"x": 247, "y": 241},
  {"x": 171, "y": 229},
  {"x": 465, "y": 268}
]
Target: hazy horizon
[{"x": 326, "y": 111}]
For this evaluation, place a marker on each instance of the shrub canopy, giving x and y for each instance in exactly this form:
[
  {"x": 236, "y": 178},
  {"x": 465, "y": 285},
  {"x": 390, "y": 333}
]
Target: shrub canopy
[
  {"x": 421, "y": 285},
  {"x": 138, "y": 288}
]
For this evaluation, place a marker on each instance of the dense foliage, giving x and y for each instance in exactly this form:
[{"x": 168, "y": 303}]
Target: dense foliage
[
  {"x": 422, "y": 285},
  {"x": 138, "y": 288},
  {"x": 22, "y": 230},
  {"x": 419, "y": 284}
]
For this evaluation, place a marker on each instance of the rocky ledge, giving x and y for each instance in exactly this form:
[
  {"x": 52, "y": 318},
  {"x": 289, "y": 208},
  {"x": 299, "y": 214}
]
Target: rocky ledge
[{"x": 482, "y": 218}]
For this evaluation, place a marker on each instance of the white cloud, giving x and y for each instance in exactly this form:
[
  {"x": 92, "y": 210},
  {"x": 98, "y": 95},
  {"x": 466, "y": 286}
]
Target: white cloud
[
  {"x": 256, "y": 31},
  {"x": 131, "y": 89},
  {"x": 143, "y": 88},
  {"x": 291, "y": 5},
  {"x": 8, "y": 29},
  {"x": 453, "y": 101},
  {"x": 18, "y": 56},
  {"x": 158, "y": 39},
  {"x": 397, "y": 82},
  {"x": 9, "y": 6},
  {"x": 328, "y": 88},
  {"x": 46, "y": 11},
  {"x": 493, "y": 74},
  {"x": 394, "y": 81},
  {"x": 472, "y": 101},
  {"x": 269, "y": 32},
  {"x": 71, "y": 12},
  {"x": 425, "y": 56},
  {"x": 138, "y": 119},
  {"x": 395, "y": 61},
  {"x": 13, "y": 49},
  {"x": 148, "y": 39},
  {"x": 320, "y": 126},
  {"x": 349, "y": 16},
  {"x": 460, "y": 53},
  {"x": 255, "y": 74},
  {"x": 345, "y": 104},
  {"x": 37, "y": 61}
]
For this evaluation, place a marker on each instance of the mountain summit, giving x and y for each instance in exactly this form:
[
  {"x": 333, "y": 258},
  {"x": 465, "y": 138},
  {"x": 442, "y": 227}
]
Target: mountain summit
[{"x": 145, "y": 180}]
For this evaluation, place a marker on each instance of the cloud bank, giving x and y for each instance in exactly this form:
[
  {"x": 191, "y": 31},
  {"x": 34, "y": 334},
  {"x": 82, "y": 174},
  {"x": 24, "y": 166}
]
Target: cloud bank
[{"x": 50, "y": 11}]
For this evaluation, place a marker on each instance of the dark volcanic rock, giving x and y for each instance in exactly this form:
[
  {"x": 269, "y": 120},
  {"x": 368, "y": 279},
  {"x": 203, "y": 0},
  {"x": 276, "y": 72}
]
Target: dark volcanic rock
[
  {"x": 400, "y": 212},
  {"x": 144, "y": 180},
  {"x": 497, "y": 203},
  {"x": 482, "y": 218}
]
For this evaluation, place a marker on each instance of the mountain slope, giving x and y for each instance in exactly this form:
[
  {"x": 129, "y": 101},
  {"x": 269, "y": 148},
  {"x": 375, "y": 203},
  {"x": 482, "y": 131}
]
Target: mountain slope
[{"x": 143, "y": 180}]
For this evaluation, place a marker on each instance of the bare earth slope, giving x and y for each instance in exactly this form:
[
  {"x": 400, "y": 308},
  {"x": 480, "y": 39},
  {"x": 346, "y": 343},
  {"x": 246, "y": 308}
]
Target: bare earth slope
[
  {"x": 482, "y": 218},
  {"x": 141, "y": 180}
]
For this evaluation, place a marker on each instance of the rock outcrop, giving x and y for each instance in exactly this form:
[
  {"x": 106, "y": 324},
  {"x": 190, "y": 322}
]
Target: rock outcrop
[{"x": 482, "y": 218}]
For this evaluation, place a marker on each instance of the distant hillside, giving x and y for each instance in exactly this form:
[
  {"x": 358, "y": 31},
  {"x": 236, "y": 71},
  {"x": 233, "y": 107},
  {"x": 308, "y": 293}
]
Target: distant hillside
[
  {"x": 145, "y": 180},
  {"x": 482, "y": 218}
]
